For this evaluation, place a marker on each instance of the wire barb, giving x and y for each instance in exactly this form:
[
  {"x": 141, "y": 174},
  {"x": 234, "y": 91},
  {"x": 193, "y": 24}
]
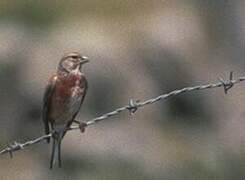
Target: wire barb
[
  {"x": 132, "y": 107},
  {"x": 13, "y": 147},
  {"x": 227, "y": 84}
]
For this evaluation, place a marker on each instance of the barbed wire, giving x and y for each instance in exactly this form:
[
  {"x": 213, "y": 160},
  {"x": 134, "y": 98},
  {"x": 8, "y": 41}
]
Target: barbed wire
[{"x": 132, "y": 107}]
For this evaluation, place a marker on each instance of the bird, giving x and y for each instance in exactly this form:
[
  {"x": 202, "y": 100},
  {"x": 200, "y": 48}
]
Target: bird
[{"x": 63, "y": 98}]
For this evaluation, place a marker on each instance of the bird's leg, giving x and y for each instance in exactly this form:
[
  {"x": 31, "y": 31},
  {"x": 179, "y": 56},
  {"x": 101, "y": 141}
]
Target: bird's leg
[{"x": 82, "y": 125}]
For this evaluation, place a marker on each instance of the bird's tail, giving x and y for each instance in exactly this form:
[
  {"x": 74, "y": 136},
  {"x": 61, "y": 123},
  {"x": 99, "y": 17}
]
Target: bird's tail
[{"x": 56, "y": 149}]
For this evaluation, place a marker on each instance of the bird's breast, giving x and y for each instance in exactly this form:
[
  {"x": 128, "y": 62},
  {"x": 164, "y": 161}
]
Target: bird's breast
[
  {"x": 67, "y": 96},
  {"x": 70, "y": 86}
]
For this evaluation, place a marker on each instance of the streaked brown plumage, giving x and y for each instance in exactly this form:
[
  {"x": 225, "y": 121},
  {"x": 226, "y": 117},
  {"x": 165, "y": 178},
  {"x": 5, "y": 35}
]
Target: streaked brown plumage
[{"x": 63, "y": 98}]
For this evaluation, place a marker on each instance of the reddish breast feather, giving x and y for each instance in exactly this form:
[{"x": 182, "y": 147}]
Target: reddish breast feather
[
  {"x": 68, "y": 91},
  {"x": 65, "y": 85}
]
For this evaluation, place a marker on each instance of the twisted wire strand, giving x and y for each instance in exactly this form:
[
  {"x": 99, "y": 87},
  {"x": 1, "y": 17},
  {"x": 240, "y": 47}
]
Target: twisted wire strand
[{"x": 132, "y": 107}]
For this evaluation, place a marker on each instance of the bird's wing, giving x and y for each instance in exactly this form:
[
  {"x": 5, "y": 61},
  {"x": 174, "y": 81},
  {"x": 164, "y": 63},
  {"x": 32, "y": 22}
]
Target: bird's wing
[
  {"x": 85, "y": 88},
  {"x": 46, "y": 102}
]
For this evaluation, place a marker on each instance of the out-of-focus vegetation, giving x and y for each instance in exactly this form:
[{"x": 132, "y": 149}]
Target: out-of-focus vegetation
[{"x": 138, "y": 49}]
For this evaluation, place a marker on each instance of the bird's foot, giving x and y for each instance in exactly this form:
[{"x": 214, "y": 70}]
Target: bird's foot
[
  {"x": 55, "y": 134},
  {"x": 82, "y": 125}
]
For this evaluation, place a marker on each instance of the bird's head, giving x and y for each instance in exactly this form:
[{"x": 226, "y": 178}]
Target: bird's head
[{"x": 72, "y": 61}]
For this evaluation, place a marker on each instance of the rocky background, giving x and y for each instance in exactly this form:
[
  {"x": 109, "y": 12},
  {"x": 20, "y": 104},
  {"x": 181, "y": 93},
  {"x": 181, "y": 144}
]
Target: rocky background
[{"x": 138, "y": 49}]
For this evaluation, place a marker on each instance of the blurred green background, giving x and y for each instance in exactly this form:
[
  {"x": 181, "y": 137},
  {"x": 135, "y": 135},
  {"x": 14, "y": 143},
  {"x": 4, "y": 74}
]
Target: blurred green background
[{"x": 138, "y": 49}]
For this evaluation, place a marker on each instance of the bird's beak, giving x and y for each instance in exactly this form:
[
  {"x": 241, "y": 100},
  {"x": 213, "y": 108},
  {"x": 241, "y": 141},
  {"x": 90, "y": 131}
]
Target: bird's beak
[{"x": 84, "y": 60}]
